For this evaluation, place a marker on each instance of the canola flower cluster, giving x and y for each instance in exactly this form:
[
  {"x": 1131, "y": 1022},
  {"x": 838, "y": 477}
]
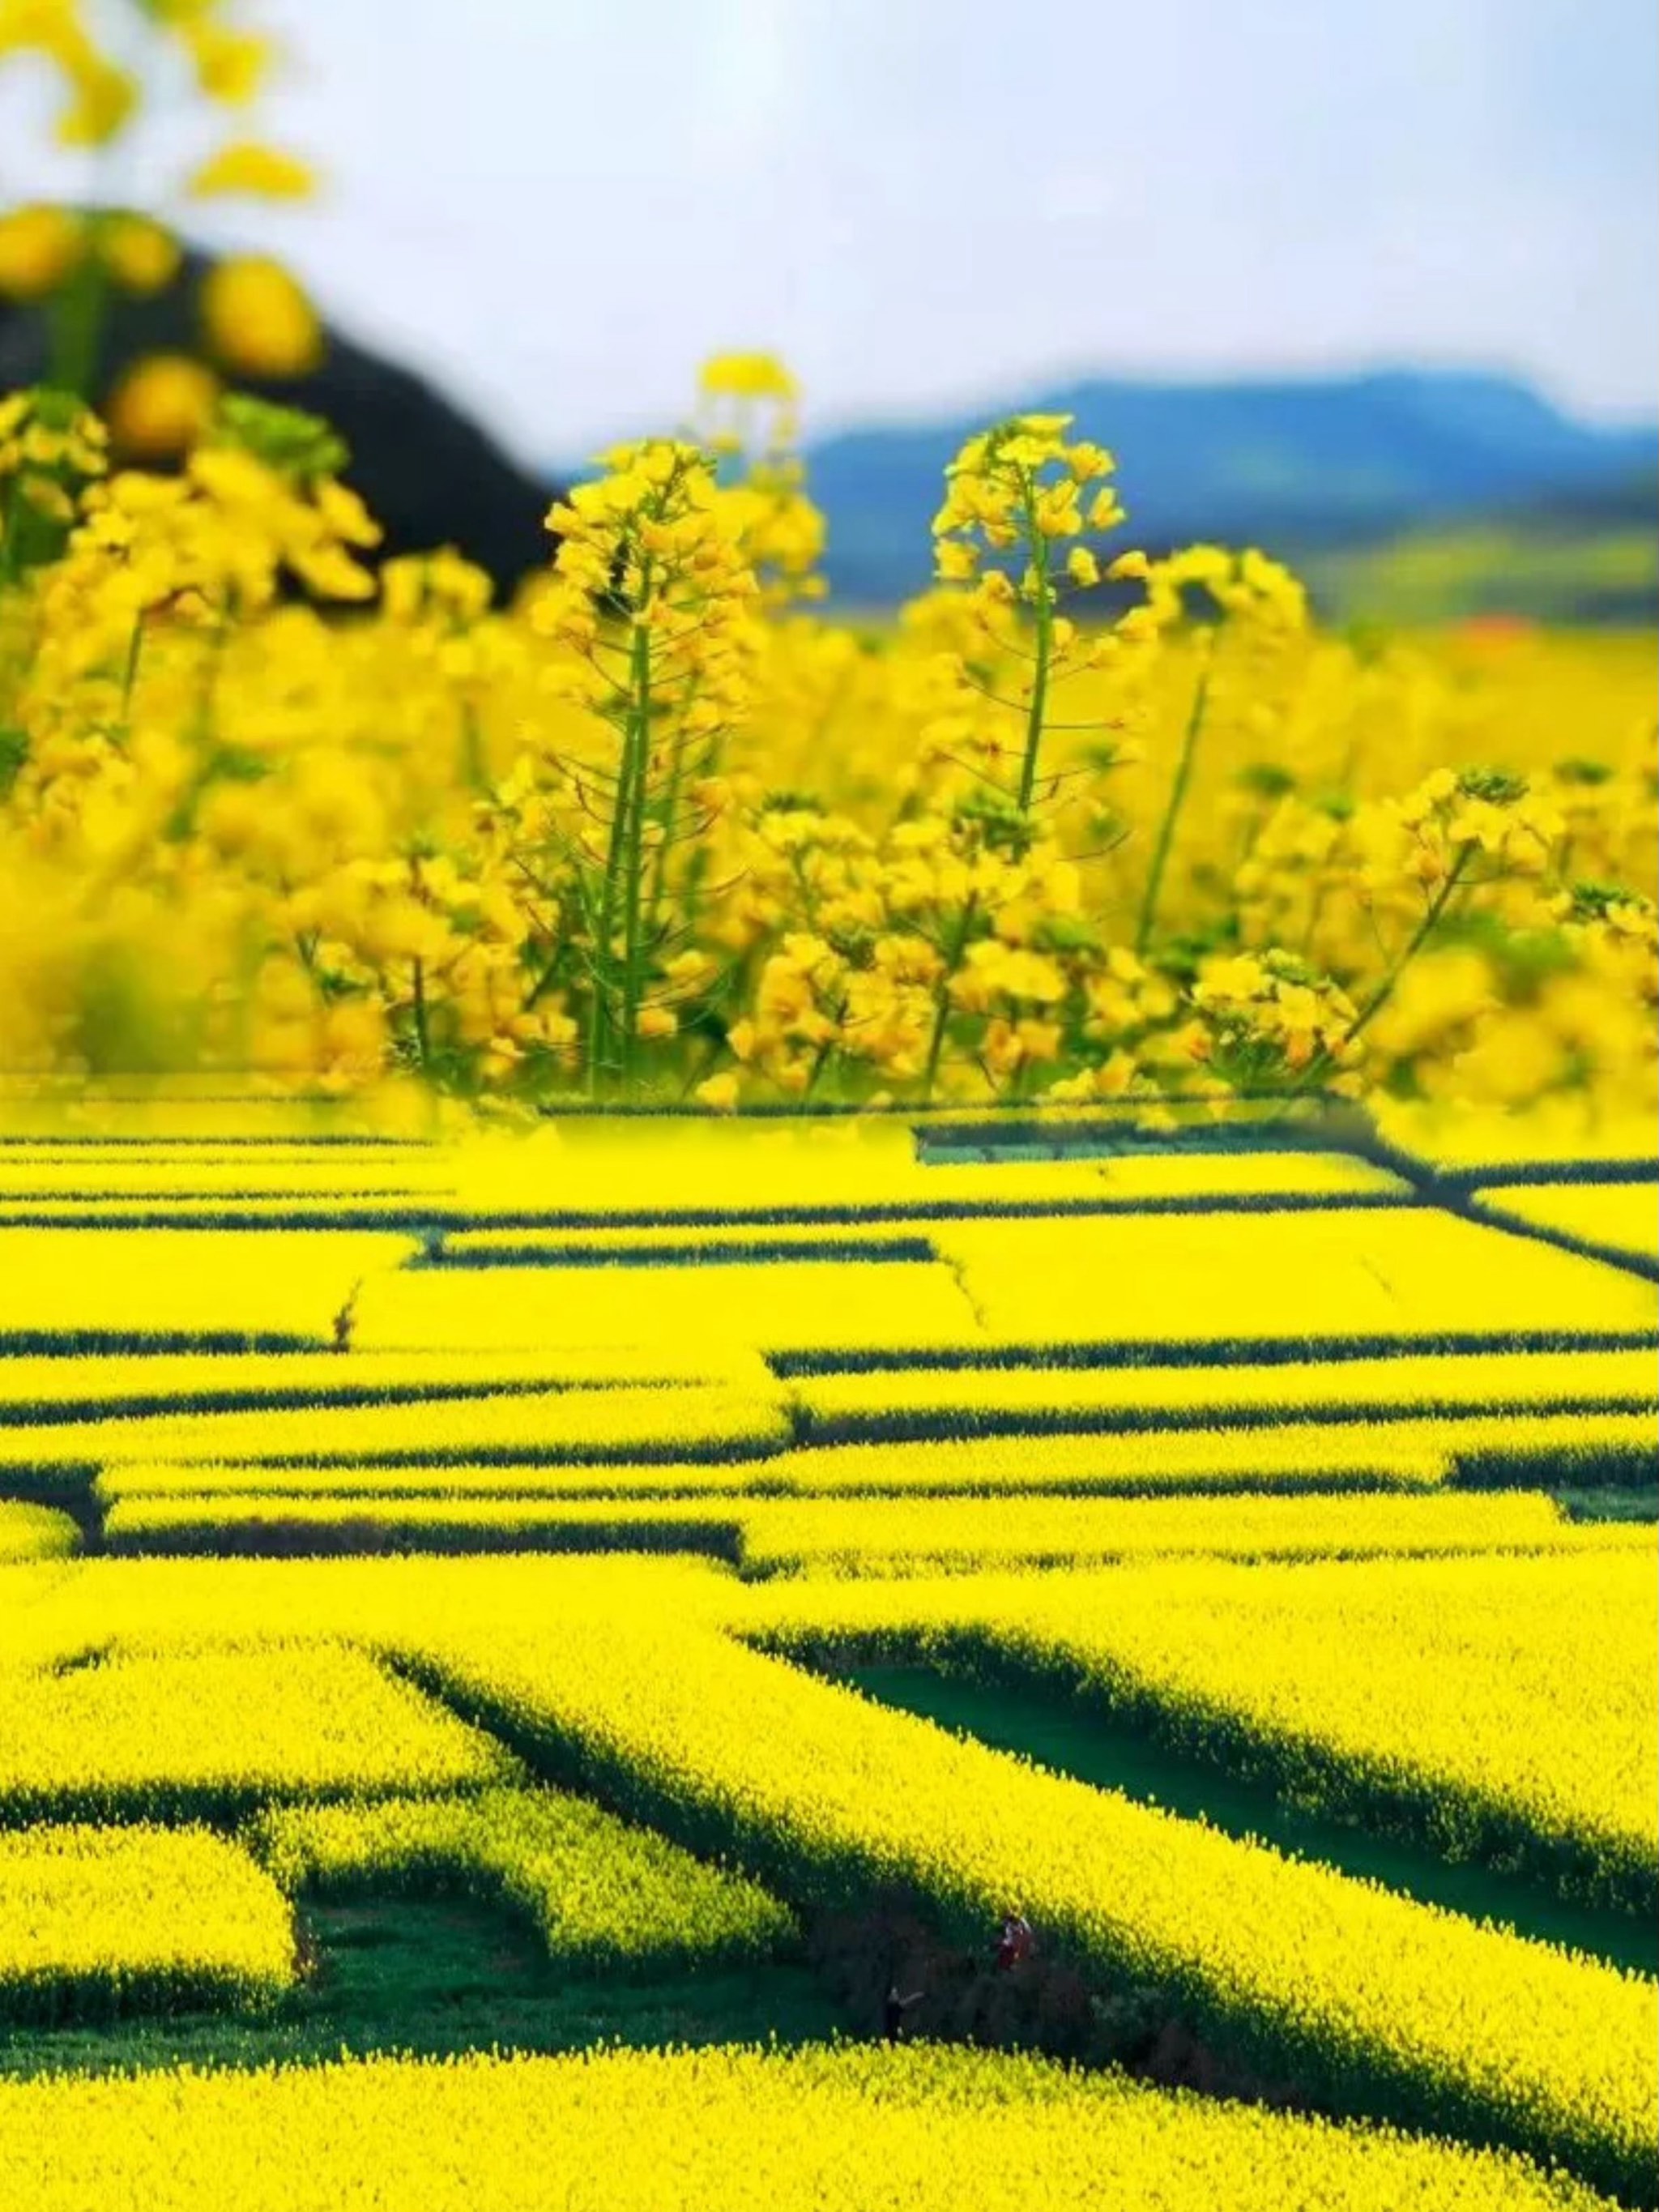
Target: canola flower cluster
[
  {"x": 1079, "y": 826},
  {"x": 597, "y": 1893},
  {"x": 661, "y": 831},
  {"x": 832, "y": 2130},
  {"x": 102, "y": 1921}
]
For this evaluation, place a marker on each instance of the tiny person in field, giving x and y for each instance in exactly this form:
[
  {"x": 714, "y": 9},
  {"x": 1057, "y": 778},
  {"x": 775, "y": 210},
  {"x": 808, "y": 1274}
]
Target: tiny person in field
[{"x": 1015, "y": 1940}]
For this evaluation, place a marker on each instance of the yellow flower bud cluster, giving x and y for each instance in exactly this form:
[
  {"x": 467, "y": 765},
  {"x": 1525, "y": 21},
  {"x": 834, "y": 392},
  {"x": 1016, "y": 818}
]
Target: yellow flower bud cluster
[
  {"x": 50, "y": 446},
  {"x": 1022, "y": 486},
  {"x": 655, "y": 536},
  {"x": 1263, "y": 1020}
]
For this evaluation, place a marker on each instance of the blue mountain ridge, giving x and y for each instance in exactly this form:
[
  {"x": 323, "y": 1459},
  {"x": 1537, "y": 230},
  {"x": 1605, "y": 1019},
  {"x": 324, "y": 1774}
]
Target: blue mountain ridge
[{"x": 1296, "y": 465}]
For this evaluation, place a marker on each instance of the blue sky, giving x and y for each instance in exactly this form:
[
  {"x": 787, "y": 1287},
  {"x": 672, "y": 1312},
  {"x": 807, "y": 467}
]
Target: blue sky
[{"x": 558, "y": 206}]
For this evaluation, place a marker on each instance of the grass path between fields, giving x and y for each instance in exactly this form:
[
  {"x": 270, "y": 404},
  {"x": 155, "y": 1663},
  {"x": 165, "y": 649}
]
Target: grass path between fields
[
  {"x": 1088, "y": 1747},
  {"x": 433, "y": 1977}
]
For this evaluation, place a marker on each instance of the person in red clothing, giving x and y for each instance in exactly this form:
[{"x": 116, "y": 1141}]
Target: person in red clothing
[{"x": 1015, "y": 1941}]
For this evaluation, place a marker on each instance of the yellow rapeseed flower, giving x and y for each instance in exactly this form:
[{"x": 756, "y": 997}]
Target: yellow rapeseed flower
[{"x": 257, "y": 320}]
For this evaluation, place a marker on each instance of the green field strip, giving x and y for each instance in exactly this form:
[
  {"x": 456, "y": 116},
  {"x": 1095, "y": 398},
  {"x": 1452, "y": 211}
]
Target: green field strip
[
  {"x": 1403, "y": 1271},
  {"x": 1217, "y": 1162},
  {"x": 842, "y": 1303},
  {"x": 84, "y": 1289},
  {"x": 1030, "y": 1720},
  {"x": 289, "y": 1525},
  {"x": 29, "y": 1531},
  {"x": 882, "y": 1536},
  {"x": 651, "y": 1248},
  {"x": 894, "y": 1406},
  {"x": 435, "y": 1217},
  {"x": 324, "y": 1175},
  {"x": 1499, "y": 1709},
  {"x": 673, "y": 1422},
  {"x": 100, "y": 1922},
  {"x": 211, "y": 1736},
  {"x": 599, "y": 1894},
  {"x": 42, "y": 1390},
  {"x": 415, "y": 1220},
  {"x": 77, "y": 1143},
  {"x": 441, "y": 1977},
  {"x": 838, "y": 2128}
]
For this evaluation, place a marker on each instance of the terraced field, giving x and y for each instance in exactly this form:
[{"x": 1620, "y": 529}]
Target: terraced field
[{"x": 667, "y": 1584}]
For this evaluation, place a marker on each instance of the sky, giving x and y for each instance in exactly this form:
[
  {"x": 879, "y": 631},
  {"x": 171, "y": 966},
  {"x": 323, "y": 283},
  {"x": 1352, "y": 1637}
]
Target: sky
[{"x": 557, "y": 208}]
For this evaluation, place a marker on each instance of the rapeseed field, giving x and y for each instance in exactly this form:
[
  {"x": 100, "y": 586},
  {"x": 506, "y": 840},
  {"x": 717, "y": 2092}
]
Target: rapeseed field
[{"x": 794, "y": 1411}]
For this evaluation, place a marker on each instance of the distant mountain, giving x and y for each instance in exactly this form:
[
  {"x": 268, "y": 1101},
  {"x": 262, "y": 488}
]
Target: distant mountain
[{"x": 1297, "y": 466}]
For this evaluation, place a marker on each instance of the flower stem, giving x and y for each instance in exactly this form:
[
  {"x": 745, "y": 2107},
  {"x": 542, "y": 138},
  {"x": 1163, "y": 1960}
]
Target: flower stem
[
  {"x": 77, "y": 326},
  {"x": 1419, "y": 937},
  {"x": 1166, "y": 829},
  {"x": 634, "y": 851},
  {"x": 942, "y": 1010},
  {"x": 1325, "y": 1057},
  {"x": 129, "y": 671},
  {"x": 1043, "y": 617}
]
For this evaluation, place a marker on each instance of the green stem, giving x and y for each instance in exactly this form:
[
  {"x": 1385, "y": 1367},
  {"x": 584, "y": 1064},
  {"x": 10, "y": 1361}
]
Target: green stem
[
  {"x": 634, "y": 851},
  {"x": 1385, "y": 990},
  {"x": 1419, "y": 937},
  {"x": 821, "y": 1058},
  {"x": 77, "y": 318},
  {"x": 671, "y": 808},
  {"x": 472, "y": 758},
  {"x": 1166, "y": 829},
  {"x": 942, "y": 1010},
  {"x": 129, "y": 671},
  {"x": 1044, "y": 615},
  {"x": 9, "y": 561},
  {"x": 422, "y": 1037},
  {"x": 544, "y": 982},
  {"x": 598, "y": 1012}
]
